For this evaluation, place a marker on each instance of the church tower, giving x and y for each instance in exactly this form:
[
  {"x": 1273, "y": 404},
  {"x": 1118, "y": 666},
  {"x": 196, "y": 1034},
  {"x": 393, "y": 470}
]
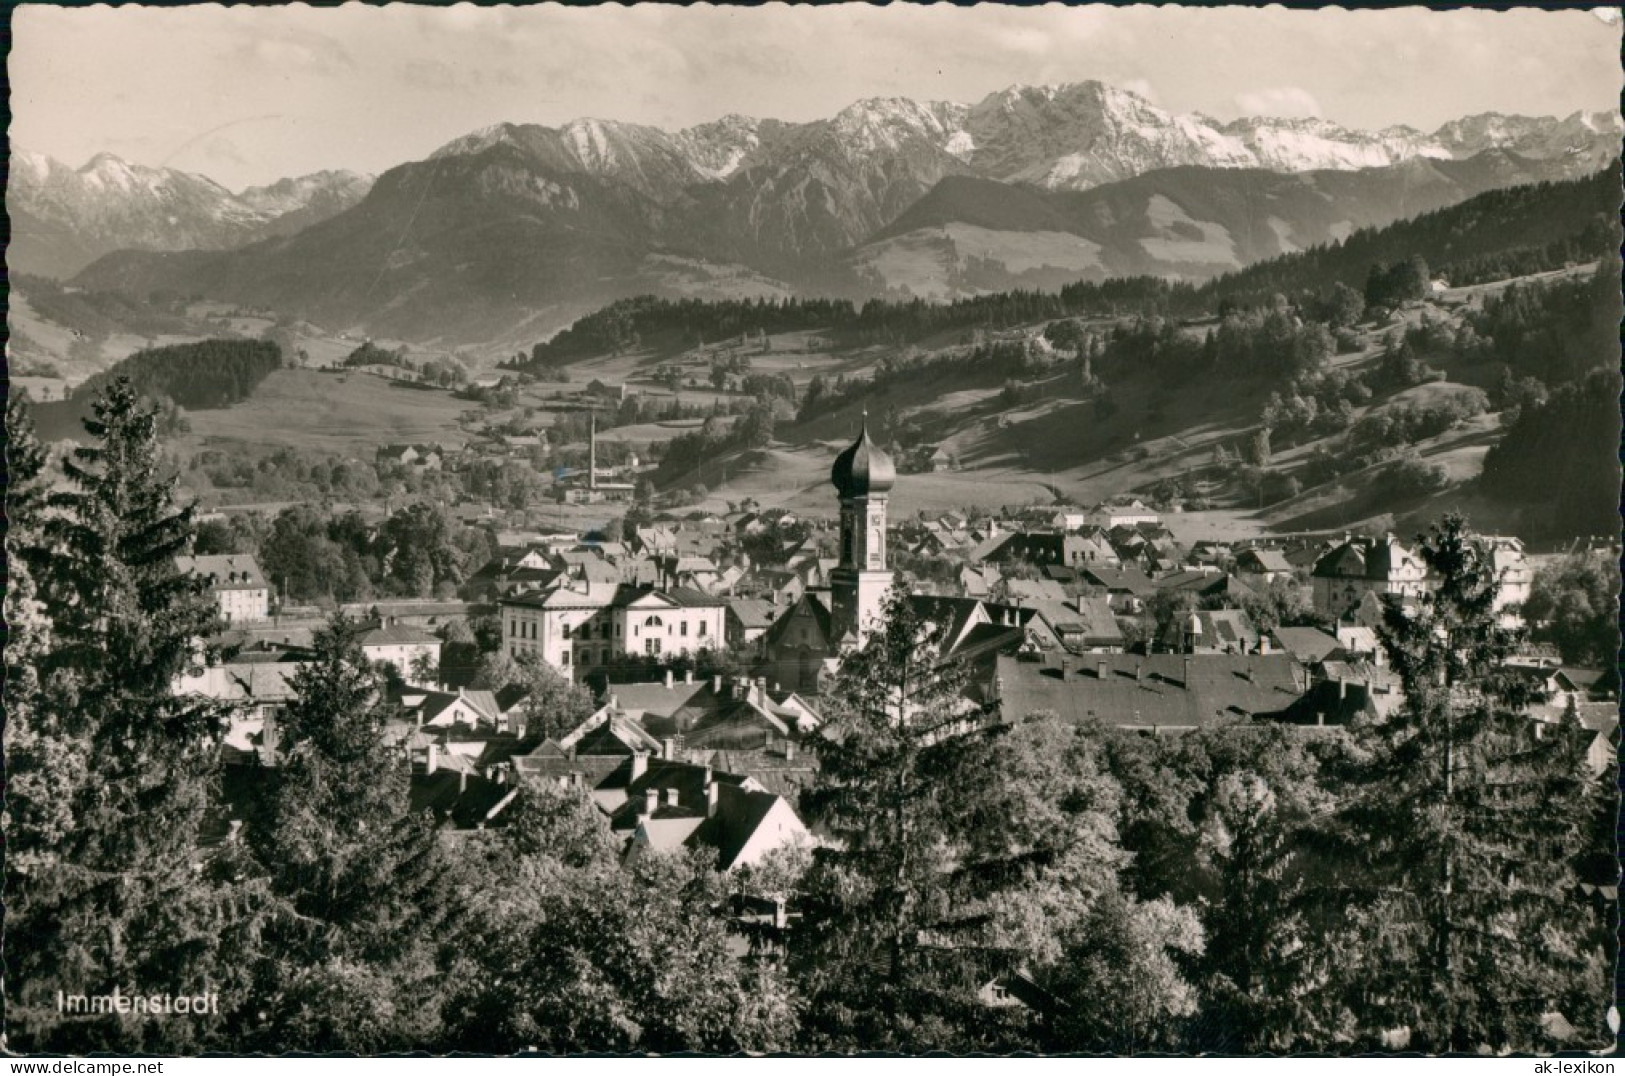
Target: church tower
[{"x": 863, "y": 476}]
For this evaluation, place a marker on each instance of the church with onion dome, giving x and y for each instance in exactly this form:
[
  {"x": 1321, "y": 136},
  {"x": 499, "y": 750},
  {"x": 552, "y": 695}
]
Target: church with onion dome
[
  {"x": 805, "y": 644},
  {"x": 863, "y": 476},
  {"x": 803, "y": 647}
]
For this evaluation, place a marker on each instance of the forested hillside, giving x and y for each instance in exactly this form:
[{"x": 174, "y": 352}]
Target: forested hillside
[
  {"x": 207, "y": 374},
  {"x": 1521, "y": 230}
]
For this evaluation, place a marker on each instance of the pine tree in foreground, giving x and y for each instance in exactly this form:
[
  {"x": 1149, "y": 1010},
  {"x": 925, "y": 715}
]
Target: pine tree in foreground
[
  {"x": 1449, "y": 904},
  {"x": 110, "y": 772},
  {"x": 359, "y": 881},
  {"x": 963, "y": 850}
]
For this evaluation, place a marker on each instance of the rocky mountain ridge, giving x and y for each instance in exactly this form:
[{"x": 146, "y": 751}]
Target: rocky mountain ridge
[{"x": 63, "y": 217}]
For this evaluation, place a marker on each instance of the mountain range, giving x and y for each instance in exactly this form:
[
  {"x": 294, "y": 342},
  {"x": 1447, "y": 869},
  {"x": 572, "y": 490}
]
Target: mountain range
[
  {"x": 513, "y": 230},
  {"x": 64, "y": 218}
]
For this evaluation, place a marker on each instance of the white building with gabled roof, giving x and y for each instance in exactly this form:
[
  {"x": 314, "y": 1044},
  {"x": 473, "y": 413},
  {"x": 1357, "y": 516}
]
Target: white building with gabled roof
[
  {"x": 577, "y": 626},
  {"x": 237, "y": 583}
]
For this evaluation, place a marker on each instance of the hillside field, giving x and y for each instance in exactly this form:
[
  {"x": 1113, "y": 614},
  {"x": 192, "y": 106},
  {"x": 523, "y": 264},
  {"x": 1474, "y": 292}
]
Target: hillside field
[{"x": 349, "y": 413}]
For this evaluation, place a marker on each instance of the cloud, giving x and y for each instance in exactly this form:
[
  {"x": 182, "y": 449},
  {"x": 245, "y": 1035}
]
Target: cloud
[
  {"x": 220, "y": 148},
  {"x": 431, "y": 74},
  {"x": 1141, "y": 87},
  {"x": 1278, "y": 101},
  {"x": 294, "y": 49},
  {"x": 437, "y": 75}
]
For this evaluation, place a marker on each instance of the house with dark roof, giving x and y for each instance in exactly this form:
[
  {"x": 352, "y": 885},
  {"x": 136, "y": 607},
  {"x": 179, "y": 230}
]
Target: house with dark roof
[
  {"x": 800, "y": 646},
  {"x": 459, "y": 799},
  {"x": 747, "y": 622},
  {"x": 1342, "y": 578},
  {"x": 1308, "y": 645},
  {"x": 1260, "y": 567},
  {"x": 235, "y": 580},
  {"x": 1211, "y": 631},
  {"x": 1126, "y": 589},
  {"x": 1047, "y": 548},
  {"x": 1338, "y": 702},
  {"x": 1082, "y": 624},
  {"x": 659, "y": 803},
  {"x": 667, "y": 805},
  {"x": 471, "y": 708},
  {"x": 1155, "y": 692},
  {"x": 1206, "y": 584},
  {"x": 1030, "y": 591}
]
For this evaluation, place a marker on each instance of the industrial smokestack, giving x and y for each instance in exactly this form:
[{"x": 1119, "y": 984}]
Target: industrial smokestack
[{"x": 592, "y": 450}]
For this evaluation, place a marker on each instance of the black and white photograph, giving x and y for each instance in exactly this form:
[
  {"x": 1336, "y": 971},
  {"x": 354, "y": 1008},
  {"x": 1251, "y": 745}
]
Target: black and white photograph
[{"x": 811, "y": 530}]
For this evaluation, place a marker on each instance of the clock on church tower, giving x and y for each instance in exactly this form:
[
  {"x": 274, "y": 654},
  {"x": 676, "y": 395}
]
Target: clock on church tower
[{"x": 863, "y": 476}]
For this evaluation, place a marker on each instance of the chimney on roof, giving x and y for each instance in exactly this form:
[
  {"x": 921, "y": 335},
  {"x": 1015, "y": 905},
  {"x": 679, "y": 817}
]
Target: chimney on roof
[
  {"x": 668, "y": 749},
  {"x": 668, "y": 680},
  {"x": 1263, "y": 644},
  {"x": 1187, "y": 680},
  {"x": 688, "y": 676},
  {"x": 1320, "y": 717},
  {"x": 651, "y": 800},
  {"x": 789, "y": 750},
  {"x": 1139, "y": 672},
  {"x": 462, "y": 781},
  {"x": 1342, "y": 689},
  {"x": 1100, "y": 670},
  {"x": 1066, "y": 666},
  {"x": 711, "y": 789},
  {"x": 431, "y": 758},
  {"x": 671, "y": 797},
  {"x": 640, "y": 765},
  {"x": 716, "y": 684}
]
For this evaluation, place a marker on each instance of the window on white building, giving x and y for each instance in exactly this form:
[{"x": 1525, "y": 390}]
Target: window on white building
[
  {"x": 651, "y": 646},
  {"x": 702, "y": 628},
  {"x": 564, "y": 658}
]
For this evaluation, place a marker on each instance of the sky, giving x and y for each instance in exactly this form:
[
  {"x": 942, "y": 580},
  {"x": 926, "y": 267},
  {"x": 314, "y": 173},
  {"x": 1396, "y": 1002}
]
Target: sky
[{"x": 248, "y": 95}]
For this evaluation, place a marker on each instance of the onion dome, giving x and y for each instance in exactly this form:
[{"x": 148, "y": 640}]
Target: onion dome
[{"x": 863, "y": 468}]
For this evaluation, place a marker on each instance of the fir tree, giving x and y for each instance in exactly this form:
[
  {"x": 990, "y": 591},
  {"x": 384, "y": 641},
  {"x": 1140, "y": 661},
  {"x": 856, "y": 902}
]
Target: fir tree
[
  {"x": 360, "y": 879},
  {"x": 1453, "y": 909},
  {"x": 962, "y": 849},
  {"x": 111, "y": 770}
]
